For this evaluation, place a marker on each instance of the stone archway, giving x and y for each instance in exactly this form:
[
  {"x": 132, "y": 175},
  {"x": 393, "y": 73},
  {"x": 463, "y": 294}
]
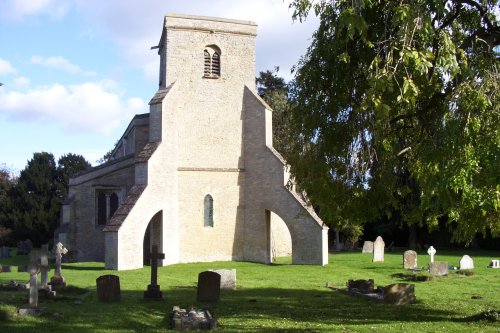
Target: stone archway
[
  {"x": 279, "y": 238},
  {"x": 153, "y": 236}
]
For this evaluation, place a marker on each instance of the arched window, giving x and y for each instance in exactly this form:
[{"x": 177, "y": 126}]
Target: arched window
[
  {"x": 212, "y": 66},
  {"x": 107, "y": 202},
  {"x": 101, "y": 208},
  {"x": 208, "y": 211}
]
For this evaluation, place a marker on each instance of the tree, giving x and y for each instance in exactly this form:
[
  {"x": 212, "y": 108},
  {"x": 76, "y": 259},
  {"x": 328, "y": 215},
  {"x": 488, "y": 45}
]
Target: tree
[
  {"x": 67, "y": 166},
  {"x": 396, "y": 113},
  {"x": 7, "y": 181}
]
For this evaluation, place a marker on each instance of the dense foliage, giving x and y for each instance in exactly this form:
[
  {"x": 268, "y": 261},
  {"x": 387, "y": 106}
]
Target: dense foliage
[
  {"x": 31, "y": 204},
  {"x": 396, "y": 113}
]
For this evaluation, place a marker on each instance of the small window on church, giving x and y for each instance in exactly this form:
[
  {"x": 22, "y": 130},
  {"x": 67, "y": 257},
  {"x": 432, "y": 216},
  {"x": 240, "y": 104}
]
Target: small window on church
[
  {"x": 209, "y": 211},
  {"x": 212, "y": 66},
  {"x": 107, "y": 202}
]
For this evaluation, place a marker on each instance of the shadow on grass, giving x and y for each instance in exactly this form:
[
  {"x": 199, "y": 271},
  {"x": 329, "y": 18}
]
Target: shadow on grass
[
  {"x": 82, "y": 268},
  {"x": 412, "y": 277}
]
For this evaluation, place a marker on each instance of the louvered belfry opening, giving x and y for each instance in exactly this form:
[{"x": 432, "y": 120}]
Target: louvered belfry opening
[{"x": 212, "y": 65}]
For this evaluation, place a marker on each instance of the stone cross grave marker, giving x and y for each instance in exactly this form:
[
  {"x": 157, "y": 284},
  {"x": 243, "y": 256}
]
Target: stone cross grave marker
[
  {"x": 431, "y": 251},
  {"x": 208, "y": 287},
  {"x": 410, "y": 259},
  {"x": 367, "y": 247},
  {"x": 58, "y": 280},
  {"x": 466, "y": 262},
  {"x": 108, "y": 288},
  {"x": 33, "y": 269},
  {"x": 44, "y": 266},
  {"x": 378, "y": 250},
  {"x": 153, "y": 291}
]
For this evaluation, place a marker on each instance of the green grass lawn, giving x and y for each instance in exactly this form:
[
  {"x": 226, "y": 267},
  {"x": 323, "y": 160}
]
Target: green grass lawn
[{"x": 270, "y": 298}]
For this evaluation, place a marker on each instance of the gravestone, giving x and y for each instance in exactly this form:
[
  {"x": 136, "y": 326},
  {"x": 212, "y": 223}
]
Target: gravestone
[
  {"x": 410, "y": 259},
  {"x": 5, "y": 268},
  {"x": 22, "y": 269},
  {"x": 33, "y": 269},
  {"x": 4, "y": 252},
  {"x": 399, "y": 294},
  {"x": 367, "y": 247},
  {"x": 494, "y": 264},
  {"x": 431, "y": 251},
  {"x": 108, "y": 288},
  {"x": 153, "y": 291},
  {"x": 44, "y": 266},
  {"x": 192, "y": 319},
  {"x": 378, "y": 250},
  {"x": 58, "y": 280},
  {"x": 466, "y": 262},
  {"x": 438, "y": 268},
  {"x": 227, "y": 278},
  {"x": 362, "y": 286},
  {"x": 208, "y": 287}
]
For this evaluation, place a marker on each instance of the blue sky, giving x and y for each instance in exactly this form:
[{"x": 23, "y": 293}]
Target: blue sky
[{"x": 76, "y": 71}]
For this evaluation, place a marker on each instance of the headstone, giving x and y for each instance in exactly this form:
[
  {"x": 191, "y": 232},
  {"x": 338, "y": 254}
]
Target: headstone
[
  {"x": 227, "y": 278},
  {"x": 494, "y": 264},
  {"x": 431, "y": 251},
  {"x": 378, "y": 250},
  {"x": 367, "y": 247},
  {"x": 153, "y": 291},
  {"x": 362, "y": 286},
  {"x": 438, "y": 268},
  {"x": 399, "y": 294},
  {"x": 410, "y": 259},
  {"x": 22, "y": 269},
  {"x": 192, "y": 319},
  {"x": 466, "y": 262},
  {"x": 5, "y": 268},
  {"x": 4, "y": 252},
  {"x": 108, "y": 288},
  {"x": 33, "y": 269},
  {"x": 208, "y": 287},
  {"x": 58, "y": 280},
  {"x": 44, "y": 266}
]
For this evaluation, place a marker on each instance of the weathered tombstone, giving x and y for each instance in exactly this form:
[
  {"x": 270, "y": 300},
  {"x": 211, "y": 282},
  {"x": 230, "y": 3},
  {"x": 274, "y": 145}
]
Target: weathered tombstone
[
  {"x": 227, "y": 278},
  {"x": 4, "y": 252},
  {"x": 399, "y": 294},
  {"x": 431, "y": 251},
  {"x": 44, "y": 266},
  {"x": 362, "y": 286},
  {"x": 438, "y": 268},
  {"x": 5, "y": 268},
  {"x": 208, "y": 287},
  {"x": 58, "y": 280},
  {"x": 410, "y": 259},
  {"x": 153, "y": 291},
  {"x": 192, "y": 319},
  {"x": 367, "y": 247},
  {"x": 22, "y": 269},
  {"x": 466, "y": 262},
  {"x": 33, "y": 269},
  {"x": 378, "y": 250},
  {"x": 108, "y": 288}
]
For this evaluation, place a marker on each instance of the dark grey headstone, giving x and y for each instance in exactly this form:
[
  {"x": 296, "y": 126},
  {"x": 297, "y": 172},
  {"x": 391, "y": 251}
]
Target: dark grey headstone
[
  {"x": 208, "y": 287},
  {"x": 438, "y": 268},
  {"x": 108, "y": 288},
  {"x": 4, "y": 252},
  {"x": 399, "y": 294}
]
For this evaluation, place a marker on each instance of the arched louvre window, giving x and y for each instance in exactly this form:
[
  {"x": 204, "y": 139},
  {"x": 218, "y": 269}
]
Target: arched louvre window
[
  {"x": 107, "y": 202},
  {"x": 101, "y": 208},
  {"x": 113, "y": 204},
  {"x": 212, "y": 62},
  {"x": 208, "y": 211}
]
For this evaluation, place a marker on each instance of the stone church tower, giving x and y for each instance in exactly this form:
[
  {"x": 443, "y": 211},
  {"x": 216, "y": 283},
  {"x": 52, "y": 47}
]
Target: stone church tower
[{"x": 198, "y": 174}]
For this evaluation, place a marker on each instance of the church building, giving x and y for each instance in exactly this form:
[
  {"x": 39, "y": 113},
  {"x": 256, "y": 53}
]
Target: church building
[{"x": 198, "y": 175}]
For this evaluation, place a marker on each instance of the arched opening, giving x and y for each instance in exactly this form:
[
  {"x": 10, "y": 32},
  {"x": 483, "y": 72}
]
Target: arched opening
[
  {"x": 211, "y": 62},
  {"x": 153, "y": 236},
  {"x": 279, "y": 239}
]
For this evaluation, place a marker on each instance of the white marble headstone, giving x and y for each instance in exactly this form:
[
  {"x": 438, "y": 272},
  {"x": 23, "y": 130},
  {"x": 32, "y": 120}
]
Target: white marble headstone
[
  {"x": 378, "y": 250},
  {"x": 466, "y": 262}
]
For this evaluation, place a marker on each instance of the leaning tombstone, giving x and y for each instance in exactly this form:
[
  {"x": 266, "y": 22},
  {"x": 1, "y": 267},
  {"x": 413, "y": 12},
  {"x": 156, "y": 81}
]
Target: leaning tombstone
[
  {"x": 153, "y": 291},
  {"x": 399, "y": 294},
  {"x": 108, "y": 288},
  {"x": 208, "y": 287},
  {"x": 466, "y": 262},
  {"x": 58, "y": 280},
  {"x": 378, "y": 250},
  {"x": 367, "y": 247},
  {"x": 410, "y": 259},
  {"x": 227, "y": 278},
  {"x": 438, "y": 268}
]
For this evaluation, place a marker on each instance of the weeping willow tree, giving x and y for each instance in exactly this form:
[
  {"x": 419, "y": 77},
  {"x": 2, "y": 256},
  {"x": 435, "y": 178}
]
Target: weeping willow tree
[{"x": 395, "y": 112}]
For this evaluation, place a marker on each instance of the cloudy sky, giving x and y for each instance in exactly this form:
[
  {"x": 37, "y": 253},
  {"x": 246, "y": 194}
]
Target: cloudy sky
[{"x": 74, "y": 72}]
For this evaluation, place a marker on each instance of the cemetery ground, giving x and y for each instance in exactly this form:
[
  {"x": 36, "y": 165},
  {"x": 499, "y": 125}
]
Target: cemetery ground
[{"x": 269, "y": 298}]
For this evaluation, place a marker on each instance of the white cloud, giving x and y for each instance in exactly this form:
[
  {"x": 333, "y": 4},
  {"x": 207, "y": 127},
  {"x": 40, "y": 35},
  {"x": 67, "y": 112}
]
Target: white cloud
[
  {"x": 19, "y": 9},
  {"x": 21, "y": 82},
  {"x": 89, "y": 107},
  {"x": 61, "y": 64},
  {"x": 6, "y": 67}
]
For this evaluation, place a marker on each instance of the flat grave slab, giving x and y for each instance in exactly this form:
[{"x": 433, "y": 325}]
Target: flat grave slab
[{"x": 192, "y": 319}]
